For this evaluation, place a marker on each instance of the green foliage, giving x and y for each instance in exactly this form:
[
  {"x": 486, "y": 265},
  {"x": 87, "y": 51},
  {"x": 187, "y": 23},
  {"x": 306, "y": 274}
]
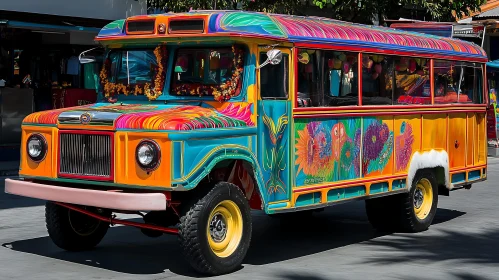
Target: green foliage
[{"x": 361, "y": 11}]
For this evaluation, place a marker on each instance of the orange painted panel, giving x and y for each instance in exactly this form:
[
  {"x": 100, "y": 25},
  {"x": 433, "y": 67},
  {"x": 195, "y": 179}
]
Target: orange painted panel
[
  {"x": 470, "y": 138},
  {"x": 388, "y": 169},
  {"x": 126, "y": 168},
  {"x": 481, "y": 156},
  {"x": 407, "y": 132},
  {"x": 48, "y": 166},
  {"x": 434, "y": 133},
  {"x": 457, "y": 140}
]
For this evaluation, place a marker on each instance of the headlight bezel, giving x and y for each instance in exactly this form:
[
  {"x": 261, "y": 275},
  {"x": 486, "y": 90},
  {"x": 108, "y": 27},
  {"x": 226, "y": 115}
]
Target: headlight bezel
[
  {"x": 154, "y": 164},
  {"x": 44, "y": 147}
]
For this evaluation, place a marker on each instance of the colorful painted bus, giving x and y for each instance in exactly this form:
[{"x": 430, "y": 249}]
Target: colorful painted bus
[{"x": 206, "y": 115}]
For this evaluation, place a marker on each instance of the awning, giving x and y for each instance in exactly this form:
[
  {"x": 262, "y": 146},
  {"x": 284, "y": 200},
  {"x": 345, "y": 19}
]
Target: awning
[
  {"x": 45, "y": 27},
  {"x": 493, "y": 64}
]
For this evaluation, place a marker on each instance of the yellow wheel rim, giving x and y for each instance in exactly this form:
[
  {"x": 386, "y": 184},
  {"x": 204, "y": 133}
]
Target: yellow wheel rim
[
  {"x": 423, "y": 198},
  {"x": 225, "y": 228}
]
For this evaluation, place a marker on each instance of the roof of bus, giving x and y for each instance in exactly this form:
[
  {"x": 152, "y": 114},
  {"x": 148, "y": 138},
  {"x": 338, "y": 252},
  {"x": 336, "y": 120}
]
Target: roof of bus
[{"x": 312, "y": 30}]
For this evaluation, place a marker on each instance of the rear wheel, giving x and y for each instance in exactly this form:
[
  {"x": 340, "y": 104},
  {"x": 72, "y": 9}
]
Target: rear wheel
[
  {"x": 73, "y": 231},
  {"x": 410, "y": 212},
  {"x": 215, "y": 230}
]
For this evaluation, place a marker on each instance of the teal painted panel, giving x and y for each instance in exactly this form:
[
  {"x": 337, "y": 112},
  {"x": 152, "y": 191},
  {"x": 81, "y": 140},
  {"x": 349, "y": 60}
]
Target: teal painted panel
[
  {"x": 308, "y": 199},
  {"x": 177, "y": 160},
  {"x": 474, "y": 175},
  {"x": 273, "y": 148},
  {"x": 378, "y": 188},
  {"x": 458, "y": 177},
  {"x": 355, "y": 192},
  {"x": 277, "y": 205},
  {"x": 336, "y": 194},
  {"x": 398, "y": 184}
]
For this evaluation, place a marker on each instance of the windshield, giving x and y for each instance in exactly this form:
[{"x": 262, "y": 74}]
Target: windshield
[
  {"x": 208, "y": 72},
  {"x": 132, "y": 67},
  {"x": 135, "y": 72},
  {"x": 215, "y": 72}
]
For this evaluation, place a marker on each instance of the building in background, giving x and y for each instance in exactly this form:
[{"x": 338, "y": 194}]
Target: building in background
[{"x": 39, "y": 46}]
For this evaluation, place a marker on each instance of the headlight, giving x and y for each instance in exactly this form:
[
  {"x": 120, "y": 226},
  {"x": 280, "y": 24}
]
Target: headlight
[
  {"x": 148, "y": 155},
  {"x": 36, "y": 147}
]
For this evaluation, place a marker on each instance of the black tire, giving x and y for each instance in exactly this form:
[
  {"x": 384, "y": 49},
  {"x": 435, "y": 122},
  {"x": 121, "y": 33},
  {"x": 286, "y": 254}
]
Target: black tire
[
  {"x": 71, "y": 230},
  {"x": 193, "y": 230},
  {"x": 397, "y": 212},
  {"x": 409, "y": 221}
]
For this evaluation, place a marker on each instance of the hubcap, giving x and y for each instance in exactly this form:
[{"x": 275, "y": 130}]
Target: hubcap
[
  {"x": 418, "y": 198},
  {"x": 224, "y": 230},
  {"x": 423, "y": 198},
  {"x": 218, "y": 228}
]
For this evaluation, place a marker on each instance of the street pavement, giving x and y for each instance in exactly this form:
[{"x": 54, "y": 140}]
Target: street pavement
[{"x": 338, "y": 244}]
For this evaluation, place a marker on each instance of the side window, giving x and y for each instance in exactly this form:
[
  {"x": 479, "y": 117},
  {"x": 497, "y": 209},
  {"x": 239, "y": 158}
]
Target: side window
[
  {"x": 377, "y": 79},
  {"x": 458, "y": 82},
  {"x": 274, "y": 79},
  {"x": 327, "y": 78},
  {"x": 412, "y": 81}
]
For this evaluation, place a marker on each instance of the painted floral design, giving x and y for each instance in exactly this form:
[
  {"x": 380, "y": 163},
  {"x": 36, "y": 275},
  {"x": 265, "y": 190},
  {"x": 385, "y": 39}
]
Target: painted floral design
[
  {"x": 374, "y": 140},
  {"x": 339, "y": 138},
  {"x": 377, "y": 147},
  {"x": 342, "y": 159},
  {"x": 403, "y": 147}
]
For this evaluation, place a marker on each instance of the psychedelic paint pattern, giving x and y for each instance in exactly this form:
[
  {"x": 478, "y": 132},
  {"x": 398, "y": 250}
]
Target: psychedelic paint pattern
[
  {"x": 326, "y": 151},
  {"x": 329, "y": 151},
  {"x": 50, "y": 116},
  {"x": 273, "y": 149},
  {"x": 403, "y": 147},
  {"x": 297, "y": 28},
  {"x": 152, "y": 117},
  {"x": 186, "y": 118},
  {"x": 274, "y": 161}
]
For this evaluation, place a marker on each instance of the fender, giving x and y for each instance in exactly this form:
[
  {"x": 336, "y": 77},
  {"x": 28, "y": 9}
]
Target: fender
[
  {"x": 211, "y": 158},
  {"x": 429, "y": 159}
]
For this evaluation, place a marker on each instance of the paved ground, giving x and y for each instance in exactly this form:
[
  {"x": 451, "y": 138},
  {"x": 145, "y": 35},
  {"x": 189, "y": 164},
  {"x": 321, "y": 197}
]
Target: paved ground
[{"x": 337, "y": 244}]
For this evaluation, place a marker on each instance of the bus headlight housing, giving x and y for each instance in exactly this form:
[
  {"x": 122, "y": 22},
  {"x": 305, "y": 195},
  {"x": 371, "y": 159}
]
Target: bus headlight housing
[
  {"x": 36, "y": 147},
  {"x": 148, "y": 155}
]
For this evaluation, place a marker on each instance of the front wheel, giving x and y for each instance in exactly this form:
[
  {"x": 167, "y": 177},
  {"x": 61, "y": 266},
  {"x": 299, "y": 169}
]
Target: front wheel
[
  {"x": 215, "y": 230},
  {"x": 71, "y": 230}
]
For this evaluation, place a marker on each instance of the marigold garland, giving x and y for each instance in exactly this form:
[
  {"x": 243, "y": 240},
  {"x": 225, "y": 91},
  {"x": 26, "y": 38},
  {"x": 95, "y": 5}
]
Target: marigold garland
[
  {"x": 111, "y": 89},
  {"x": 222, "y": 92}
]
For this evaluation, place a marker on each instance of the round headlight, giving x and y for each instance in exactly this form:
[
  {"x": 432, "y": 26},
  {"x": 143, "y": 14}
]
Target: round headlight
[
  {"x": 148, "y": 155},
  {"x": 36, "y": 147}
]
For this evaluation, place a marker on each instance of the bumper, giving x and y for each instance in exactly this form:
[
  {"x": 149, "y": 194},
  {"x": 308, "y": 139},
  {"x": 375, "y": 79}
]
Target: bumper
[{"x": 96, "y": 198}]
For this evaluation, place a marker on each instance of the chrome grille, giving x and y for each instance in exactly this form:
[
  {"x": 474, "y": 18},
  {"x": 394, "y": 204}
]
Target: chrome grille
[{"x": 85, "y": 155}]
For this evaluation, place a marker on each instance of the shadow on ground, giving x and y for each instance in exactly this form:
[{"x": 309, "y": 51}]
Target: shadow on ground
[
  {"x": 336, "y": 227},
  {"x": 8, "y": 201}
]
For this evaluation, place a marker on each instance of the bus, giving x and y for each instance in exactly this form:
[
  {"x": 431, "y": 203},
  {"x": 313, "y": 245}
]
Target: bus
[{"x": 206, "y": 116}]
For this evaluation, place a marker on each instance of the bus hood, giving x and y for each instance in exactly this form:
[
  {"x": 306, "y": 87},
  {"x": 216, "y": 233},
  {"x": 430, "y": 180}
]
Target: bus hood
[{"x": 146, "y": 117}]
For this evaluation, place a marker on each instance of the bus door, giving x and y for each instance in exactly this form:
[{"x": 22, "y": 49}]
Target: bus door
[{"x": 274, "y": 111}]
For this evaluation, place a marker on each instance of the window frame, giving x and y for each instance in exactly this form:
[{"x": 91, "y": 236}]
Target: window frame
[{"x": 286, "y": 54}]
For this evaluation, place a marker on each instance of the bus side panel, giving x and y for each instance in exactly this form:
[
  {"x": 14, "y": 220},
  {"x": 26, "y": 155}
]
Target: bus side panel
[
  {"x": 434, "y": 132},
  {"x": 380, "y": 164},
  {"x": 471, "y": 139},
  {"x": 326, "y": 150},
  {"x": 481, "y": 144},
  {"x": 407, "y": 130},
  {"x": 457, "y": 140}
]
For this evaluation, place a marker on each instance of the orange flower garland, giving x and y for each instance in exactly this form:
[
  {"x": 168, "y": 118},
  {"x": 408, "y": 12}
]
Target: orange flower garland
[
  {"x": 221, "y": 92},
  {"x": 111, "y": 89}
]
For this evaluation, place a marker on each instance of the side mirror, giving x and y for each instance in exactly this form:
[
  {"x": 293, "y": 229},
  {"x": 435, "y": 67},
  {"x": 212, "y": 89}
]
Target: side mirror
[
  {"x": 274, "y": 57},
  {"x": 86, "y": 59}
]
